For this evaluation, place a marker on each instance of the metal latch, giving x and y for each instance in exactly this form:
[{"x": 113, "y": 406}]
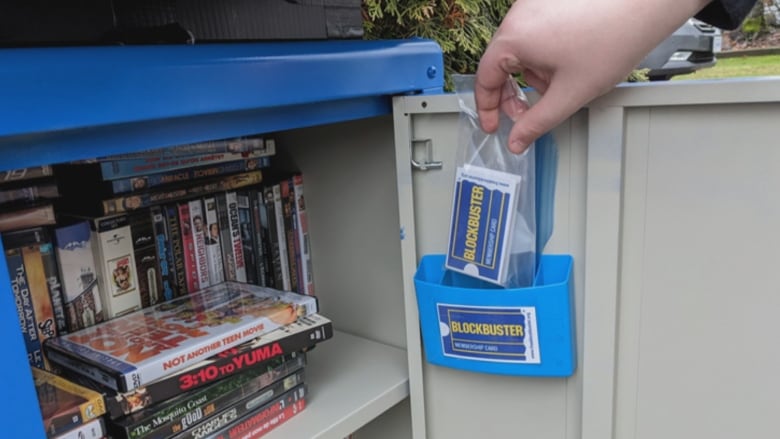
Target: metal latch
[{"x": 428, "y": 163}]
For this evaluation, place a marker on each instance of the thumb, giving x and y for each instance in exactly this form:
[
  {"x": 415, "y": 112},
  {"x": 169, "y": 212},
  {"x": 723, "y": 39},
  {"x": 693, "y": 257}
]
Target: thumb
[{"x": 556, "y": 105}]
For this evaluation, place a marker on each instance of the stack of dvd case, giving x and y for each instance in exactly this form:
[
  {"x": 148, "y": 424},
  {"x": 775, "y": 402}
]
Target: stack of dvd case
[
  {"x": 98, "y": 254},
  {"x": 228, "y": 361}
]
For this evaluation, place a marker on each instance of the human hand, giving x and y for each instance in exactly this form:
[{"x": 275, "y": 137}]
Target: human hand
[{"x": 570, "y": 51}]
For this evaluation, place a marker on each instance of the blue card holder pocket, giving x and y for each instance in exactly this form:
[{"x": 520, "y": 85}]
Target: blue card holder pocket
[{"x": 477, "y": 326}]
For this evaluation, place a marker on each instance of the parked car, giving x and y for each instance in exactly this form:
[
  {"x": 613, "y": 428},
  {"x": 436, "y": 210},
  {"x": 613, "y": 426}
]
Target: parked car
[{"x": 691, "y": 47}]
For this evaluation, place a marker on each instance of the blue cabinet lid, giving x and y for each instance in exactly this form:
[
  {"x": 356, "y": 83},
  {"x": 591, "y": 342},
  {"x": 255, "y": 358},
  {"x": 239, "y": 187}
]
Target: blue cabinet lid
[{"x": 100, "y": 100}]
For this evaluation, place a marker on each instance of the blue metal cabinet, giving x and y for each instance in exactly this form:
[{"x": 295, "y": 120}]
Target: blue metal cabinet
[{"x": 62, "y": 104}]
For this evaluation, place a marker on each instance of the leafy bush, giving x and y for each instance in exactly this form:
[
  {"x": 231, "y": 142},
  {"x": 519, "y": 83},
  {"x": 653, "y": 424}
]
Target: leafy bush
[{"x": 462, "y": 28}]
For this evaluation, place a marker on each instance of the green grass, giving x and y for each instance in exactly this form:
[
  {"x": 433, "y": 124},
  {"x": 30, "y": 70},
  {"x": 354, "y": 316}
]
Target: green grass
[{"x": 739, "y": 66}]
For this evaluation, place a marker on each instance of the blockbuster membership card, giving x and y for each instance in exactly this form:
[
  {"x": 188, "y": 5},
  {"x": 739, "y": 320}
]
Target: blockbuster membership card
[{"x": 483, "y": 212}]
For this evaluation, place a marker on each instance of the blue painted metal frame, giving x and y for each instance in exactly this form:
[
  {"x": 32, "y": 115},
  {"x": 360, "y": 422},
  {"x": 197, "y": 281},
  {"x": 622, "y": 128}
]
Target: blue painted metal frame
[
  {"x": 60, "y": 101},
  {"x": 61, "y": 104}
]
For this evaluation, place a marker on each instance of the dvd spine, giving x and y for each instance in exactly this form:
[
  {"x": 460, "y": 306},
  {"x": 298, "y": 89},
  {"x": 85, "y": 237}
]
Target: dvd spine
[
  {"x": 236, "y": 247},
  {"x": 197, "y": 228},
  {"x": 261, "y": 421},
  {"x": 281, "y": 237},
  {"x": 130, "y": 202},
  {"x": 213, "y": 238},
  {"x": 153, "y": 181},
  {"x": 93, "y": 429},
  {"x": 291, "y": 234},
  {"x": 117, "y": 267},
  {"x": 29, "y": 194},
  {"x": 247, "y": 237},
  {"x": 24, "y": 306},
  {"x": 224, "y": 234},
  {"x": 161, "y": 249},
  {"x": 76, "y": 264},
  {"x": 259, "y": 239},
  {"x": 274, "y": 265},
  {"x": 233, "y": 417},
  {"x": 39, "y": 295},
  {"x": 235, "y": 145},
  {"x": 145, "y": 252},
  {"x": 307, "y": 276},
  {"x": 175, "y": 249},
  {"x": 54, "y": 284},
  {"x": 134, "y": 167},
  {"x": 188, "y": 248},
  {"x": 23, "y": 218},
  {"x": 30, "y": 173}
]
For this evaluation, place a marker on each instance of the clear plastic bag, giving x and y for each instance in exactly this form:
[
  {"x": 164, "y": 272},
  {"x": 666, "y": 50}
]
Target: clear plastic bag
[{"x": 493, "y": 227}]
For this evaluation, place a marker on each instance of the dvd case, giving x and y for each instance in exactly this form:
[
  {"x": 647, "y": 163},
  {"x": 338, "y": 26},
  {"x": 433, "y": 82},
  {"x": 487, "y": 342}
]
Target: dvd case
[
  {"x": 136, "y": 349},
  {"x": 65, "y": 405}
]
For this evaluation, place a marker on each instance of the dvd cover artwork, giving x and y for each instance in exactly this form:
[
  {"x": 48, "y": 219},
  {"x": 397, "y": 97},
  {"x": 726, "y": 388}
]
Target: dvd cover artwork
[
  {"x": 141, "y": 347},
  {"x": 116, "y": 265}
]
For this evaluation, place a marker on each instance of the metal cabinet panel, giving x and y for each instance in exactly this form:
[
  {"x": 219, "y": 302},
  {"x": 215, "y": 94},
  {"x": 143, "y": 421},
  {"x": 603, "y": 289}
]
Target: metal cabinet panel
[
  {"x": 679, "y": 289},
  {"x": 461, "y": 404},
  {"x": 699, "y": 280}
]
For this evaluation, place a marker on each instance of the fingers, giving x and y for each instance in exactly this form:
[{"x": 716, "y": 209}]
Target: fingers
[
  {"x": 558, "y": 103},
  {"x": 488, "y": 85}
]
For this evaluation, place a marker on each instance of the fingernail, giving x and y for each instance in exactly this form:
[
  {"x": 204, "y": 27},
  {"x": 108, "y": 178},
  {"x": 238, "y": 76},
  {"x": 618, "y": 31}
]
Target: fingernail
[{"x": 517, "y": 146}]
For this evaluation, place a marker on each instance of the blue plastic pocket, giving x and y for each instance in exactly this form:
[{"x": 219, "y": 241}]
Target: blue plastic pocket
[{"x": 473, "y": 325}]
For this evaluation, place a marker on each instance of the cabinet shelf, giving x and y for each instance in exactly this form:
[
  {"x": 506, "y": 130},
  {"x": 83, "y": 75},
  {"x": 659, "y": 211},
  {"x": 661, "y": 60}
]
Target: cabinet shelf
[{"x": 351, "y": 381}]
